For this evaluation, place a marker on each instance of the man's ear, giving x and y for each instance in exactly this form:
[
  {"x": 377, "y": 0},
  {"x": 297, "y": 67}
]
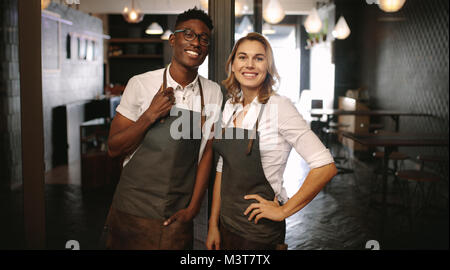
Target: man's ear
[{"x": 172, "y": 40}]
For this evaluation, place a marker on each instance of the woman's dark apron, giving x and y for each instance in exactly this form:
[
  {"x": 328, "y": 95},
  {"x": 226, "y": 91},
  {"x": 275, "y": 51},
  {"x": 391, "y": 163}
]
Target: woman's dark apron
[
  {"x": 156, "y": 183},
  {"x": 243, "y": 174}
]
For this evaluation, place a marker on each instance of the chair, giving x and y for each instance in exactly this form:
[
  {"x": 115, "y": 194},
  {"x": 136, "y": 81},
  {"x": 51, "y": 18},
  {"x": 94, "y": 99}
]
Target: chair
[
  {"x": 317, "y": 124},
  {"x": 424, "y": 183},
  {"x": 395, "y": 157},
  {"x": 375, "y": 127},
  {"x": 330, "y": 135}
]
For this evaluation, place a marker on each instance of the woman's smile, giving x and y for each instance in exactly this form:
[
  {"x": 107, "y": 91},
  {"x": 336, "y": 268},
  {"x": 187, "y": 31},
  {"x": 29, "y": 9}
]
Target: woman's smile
[{"x": 250, "y": 65}]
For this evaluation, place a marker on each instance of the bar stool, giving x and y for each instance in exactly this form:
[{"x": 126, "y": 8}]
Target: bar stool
[
  {"x": 396, "y": 158},
  {"x": 424, "y": 185},
  {"x": 375, "y": 186},
  {"x": 375, "y": 127},
  {"x": 330, "y": 136}
]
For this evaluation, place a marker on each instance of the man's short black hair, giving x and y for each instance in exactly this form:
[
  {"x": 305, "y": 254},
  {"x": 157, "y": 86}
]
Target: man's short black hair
[{"x": 194, "y": 14}]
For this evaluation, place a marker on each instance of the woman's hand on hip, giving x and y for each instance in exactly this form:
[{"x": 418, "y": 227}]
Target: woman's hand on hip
[{"x": 264, "y": 209}]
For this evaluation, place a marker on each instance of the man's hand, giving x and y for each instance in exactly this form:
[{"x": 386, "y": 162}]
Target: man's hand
[
  {"x": 183, "y": 215},
  {"x": 161, "y": 104}
]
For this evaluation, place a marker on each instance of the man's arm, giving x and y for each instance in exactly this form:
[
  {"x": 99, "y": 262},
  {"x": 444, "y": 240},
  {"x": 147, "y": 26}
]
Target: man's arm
[
  {"x": 126, "y": 135},
  {"x": 201, "y": 182}
]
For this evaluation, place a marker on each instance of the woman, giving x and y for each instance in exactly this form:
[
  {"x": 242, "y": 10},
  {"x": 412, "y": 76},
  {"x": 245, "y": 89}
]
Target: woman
[{"x": 250, "y": 205}]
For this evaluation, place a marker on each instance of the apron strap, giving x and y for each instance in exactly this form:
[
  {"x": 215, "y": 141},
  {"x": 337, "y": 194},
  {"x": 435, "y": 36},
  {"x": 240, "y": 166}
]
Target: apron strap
[
  {"x": 202, "y": 102},
  {"x": 255, "y": 129}
]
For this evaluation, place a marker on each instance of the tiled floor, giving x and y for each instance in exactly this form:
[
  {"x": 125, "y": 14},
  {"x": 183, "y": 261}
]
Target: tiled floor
[{"x": 338, "y": 218}]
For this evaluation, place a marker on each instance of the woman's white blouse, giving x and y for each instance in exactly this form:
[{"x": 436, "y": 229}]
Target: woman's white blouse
[{"x": 280, "y": 128}]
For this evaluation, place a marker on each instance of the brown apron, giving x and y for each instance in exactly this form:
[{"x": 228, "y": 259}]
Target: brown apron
[
  {"x": 156, "y": 183},
  {"x": 243, "y": 174}
]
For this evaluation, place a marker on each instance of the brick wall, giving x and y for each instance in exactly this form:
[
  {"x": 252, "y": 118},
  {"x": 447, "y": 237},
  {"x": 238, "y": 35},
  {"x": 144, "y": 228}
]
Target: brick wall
[
  {"x": 77, "y": 80},
  {"x": 10, "y": 131}
]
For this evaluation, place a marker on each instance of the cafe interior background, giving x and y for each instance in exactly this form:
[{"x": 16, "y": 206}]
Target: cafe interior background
[{"x": 351, "y": 55}]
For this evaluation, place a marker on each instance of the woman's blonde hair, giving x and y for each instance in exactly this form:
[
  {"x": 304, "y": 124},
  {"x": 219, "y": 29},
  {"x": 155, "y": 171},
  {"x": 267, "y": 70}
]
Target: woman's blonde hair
[{"x": 233, "y": 86}]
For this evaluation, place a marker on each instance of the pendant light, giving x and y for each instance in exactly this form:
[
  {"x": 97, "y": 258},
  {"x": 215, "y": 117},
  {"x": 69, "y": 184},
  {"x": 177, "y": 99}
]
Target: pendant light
[
  {"x": 341, "y": 30},
  {"x": 45, "y": 3},
  {"x": 391, "y": 5},
  {"x": 154, "y": 29},
  {"x": 238, "y": 9},
  {"x": 267, "y": 29},
  {"x": 313, "y": 24},
  {"x": 166, "y": 35},
  {"x": 273, "y": 12},
  {"x": 132, "y": 15},
  {"x": 204, "y": 4}
]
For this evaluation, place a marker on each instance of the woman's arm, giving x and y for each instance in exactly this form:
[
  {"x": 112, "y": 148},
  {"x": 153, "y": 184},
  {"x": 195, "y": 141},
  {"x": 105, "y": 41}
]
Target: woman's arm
[
  {"x": 213, "y": 239},
  {"x": 314, "y": 182}
]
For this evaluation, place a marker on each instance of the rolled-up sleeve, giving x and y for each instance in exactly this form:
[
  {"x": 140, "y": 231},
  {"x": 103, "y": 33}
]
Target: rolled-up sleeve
[
  {"x": 294, "y": 129},
  {"x": 130, "y": 102},
  {"x": 219, "y": 165}
]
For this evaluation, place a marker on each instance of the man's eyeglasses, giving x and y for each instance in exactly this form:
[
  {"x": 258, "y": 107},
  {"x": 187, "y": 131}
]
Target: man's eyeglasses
[{"x": 190, "y": 35}]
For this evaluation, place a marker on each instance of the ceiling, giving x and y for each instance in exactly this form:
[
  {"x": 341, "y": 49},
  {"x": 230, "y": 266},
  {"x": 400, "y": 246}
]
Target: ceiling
[{"x": 291, "y": 7}]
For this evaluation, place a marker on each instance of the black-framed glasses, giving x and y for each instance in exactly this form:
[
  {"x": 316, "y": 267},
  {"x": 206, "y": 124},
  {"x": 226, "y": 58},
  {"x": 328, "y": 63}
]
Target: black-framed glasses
[{"x": 190, "y": 35}]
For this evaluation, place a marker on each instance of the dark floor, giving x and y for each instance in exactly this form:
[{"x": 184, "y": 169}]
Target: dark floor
[{"x": 339, "y": 218}]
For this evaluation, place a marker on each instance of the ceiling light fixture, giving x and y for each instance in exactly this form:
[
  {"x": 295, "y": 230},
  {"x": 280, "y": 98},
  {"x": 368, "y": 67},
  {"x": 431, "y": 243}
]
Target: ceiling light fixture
[
  {"x": 204, "y": 4},
  {"x": 267, "y": 29},
  {"x": 166, "y": 35},
  {"x": 154, "y": 29},
  {"x": 132, "y": 15},
  {"x": 341, "y": 30},
  {"x": 391, "y": 5},
  {"x": 313, "y": 24},
  {"x": 273, "y": 12},
  {"x": 45, "y": 3}
]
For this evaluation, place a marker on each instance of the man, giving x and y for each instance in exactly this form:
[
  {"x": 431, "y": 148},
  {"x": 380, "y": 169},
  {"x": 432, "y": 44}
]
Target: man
[{"x": 164, "y": 178}]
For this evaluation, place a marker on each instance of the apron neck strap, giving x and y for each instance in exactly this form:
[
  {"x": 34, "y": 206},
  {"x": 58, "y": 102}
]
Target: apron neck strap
[
  {"x": 255, "y": 129},
  {"x": 203, "y": 117}
]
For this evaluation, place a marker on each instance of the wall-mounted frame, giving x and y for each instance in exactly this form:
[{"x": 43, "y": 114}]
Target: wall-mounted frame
[
  {"x": 51, "y": 41},
  {"x": 84, "y": 47}
]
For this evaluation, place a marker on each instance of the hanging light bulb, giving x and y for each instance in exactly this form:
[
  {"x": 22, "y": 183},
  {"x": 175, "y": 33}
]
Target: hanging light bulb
[
  {"x": 267, "y": 29},
  {"x": 166, "y": 35},
  {"x": 238, "y": 9},
  {"x": 204, "y": 4},
  {"x": 273, "y": 12},
  {"x": 45, "y": 3},
  {"x": 154, "y": 29},
  {"x": 313, "y": 24},
  {"x": 132, "y": 15},
  {"x": 391, "y": 5},
  {"x": 341, "y": 30}
]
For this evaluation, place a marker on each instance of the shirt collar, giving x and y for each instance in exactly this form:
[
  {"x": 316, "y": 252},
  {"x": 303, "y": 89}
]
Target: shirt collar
[
  {"x": 238, "y": 106},
  {"x": 176, "y": 86}
]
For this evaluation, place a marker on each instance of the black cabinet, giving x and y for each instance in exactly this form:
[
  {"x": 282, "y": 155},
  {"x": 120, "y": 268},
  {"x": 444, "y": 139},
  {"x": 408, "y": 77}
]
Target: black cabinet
[
  {"x": 98, "y": 169},
  {"x": 131, "y": 51}
]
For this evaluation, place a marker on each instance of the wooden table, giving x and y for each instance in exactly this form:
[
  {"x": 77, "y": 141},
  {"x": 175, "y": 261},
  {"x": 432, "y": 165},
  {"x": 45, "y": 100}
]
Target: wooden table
[
  {"x": 390, "y": 142},
  {"x": 395, "y": 115}
]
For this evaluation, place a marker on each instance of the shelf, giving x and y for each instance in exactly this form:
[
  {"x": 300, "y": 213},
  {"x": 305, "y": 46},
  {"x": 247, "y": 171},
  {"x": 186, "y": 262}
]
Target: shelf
[
  {"x": 136, "y": 40},
  {"x": 153, "y": 56}
]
